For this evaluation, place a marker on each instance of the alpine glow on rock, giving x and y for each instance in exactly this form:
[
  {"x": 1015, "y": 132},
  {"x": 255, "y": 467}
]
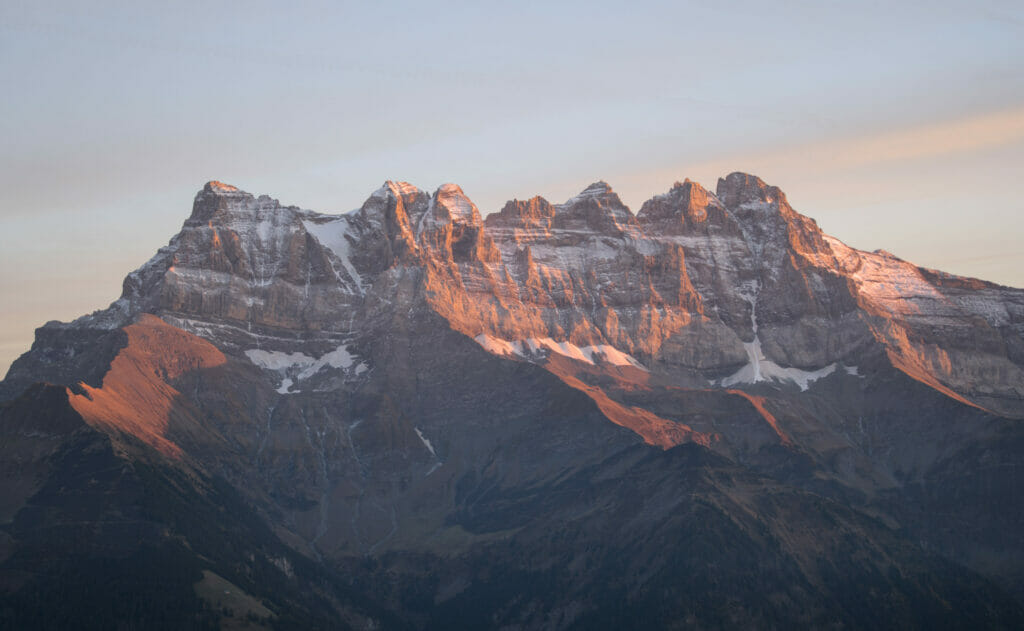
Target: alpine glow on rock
[{"x": 707, "y": 414}]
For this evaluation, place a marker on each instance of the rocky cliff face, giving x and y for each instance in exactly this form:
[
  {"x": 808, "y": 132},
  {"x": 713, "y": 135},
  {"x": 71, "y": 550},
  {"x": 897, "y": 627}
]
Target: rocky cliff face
[{"x": 410, "y": 382}]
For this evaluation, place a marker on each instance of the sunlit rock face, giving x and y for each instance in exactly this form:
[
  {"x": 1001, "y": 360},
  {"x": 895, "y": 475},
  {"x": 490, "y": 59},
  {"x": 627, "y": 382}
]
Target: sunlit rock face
[
  {"x": 687, "y": 287},
  {"x": 412, "y": 378}
]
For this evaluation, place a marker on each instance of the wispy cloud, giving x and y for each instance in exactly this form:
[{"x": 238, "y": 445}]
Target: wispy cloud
[
  {"x": 952, "y": 137},
  {"x": 837, "y": 165}
]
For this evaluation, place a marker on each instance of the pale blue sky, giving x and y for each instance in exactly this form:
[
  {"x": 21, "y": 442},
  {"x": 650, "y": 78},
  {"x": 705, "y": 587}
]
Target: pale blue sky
[{"x": 897, "y": 127}]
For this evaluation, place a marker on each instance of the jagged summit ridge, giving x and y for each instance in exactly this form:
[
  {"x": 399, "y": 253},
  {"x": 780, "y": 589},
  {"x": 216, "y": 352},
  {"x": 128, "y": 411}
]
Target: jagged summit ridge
[{"x": 683, "y": 287}]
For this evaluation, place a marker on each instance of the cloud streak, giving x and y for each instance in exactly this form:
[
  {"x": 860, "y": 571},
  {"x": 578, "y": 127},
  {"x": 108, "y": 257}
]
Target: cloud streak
[{"x": 952, "y": 137}]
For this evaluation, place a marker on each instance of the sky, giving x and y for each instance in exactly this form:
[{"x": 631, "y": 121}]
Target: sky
[{"x": 895, "y": 125}]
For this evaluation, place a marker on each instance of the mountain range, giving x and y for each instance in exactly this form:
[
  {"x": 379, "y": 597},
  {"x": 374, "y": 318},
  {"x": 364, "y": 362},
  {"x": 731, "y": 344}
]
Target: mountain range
[{"x": 707, "y": 414}]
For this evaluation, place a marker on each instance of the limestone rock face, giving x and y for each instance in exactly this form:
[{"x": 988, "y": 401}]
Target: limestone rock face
[{"x": 412, "y": 378}]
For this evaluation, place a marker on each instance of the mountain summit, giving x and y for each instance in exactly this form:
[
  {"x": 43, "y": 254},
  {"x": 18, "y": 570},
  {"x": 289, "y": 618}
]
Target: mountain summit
[{"x": 562, "y": 415}]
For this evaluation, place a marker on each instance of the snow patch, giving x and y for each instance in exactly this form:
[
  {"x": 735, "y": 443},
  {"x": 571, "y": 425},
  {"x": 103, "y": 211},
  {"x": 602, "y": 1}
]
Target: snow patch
[
  {"x": 562, "y": 348},
  {"x": 586, "y": 354},
  {"x": 295, "y": 367},
  {"x": 497, "y": 346},
  {"x": 426, "y": 443},
  {"x": 264, "y": 230},
  {"x": 611, "y": 355},
  {"x": 898, "y": 287},
  {"x": 759, "y": 368},
  {"x": 338, "y": 358},
  {"x": 278, "y": 360},
  {"x": 333, "y": 235}
]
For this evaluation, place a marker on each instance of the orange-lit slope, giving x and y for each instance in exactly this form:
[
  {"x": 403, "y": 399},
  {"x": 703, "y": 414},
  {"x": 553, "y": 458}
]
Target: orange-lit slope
[
  {"x": 759, "y": 405},
  {"x": 655, "y": 430},
  {"x": 136, "y": 397}
]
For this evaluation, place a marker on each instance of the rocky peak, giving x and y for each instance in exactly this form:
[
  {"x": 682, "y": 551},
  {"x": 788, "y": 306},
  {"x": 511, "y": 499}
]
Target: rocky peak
[
  {"x": 401, "y": 190},
  {"x": 214, "y": 197},
  {"x": 737, "y": 189},
  {"x": 389, "y": 215},
  {"x": 769, "y": 224},
  {"x": 392, "y": 201},
  {"x": 598, "y": 208},
  {"x": 686, "y": 202},
  {"x": 220, "y": 188},
  {"x": 692, "y": 192},
  {"x": 600, "y": 194},
  {"x": 451, "y": 228},
  {"x": 599, "y": 188},
  {"x": 535, "y": 212},
  {"x": 450, "y": 204}
]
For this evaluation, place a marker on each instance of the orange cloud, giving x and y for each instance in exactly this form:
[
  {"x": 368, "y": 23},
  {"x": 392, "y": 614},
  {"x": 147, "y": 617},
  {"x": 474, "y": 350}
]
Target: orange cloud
[
  {"x": 949, "y": 137},
  {"x": 836, "y": 154}
]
